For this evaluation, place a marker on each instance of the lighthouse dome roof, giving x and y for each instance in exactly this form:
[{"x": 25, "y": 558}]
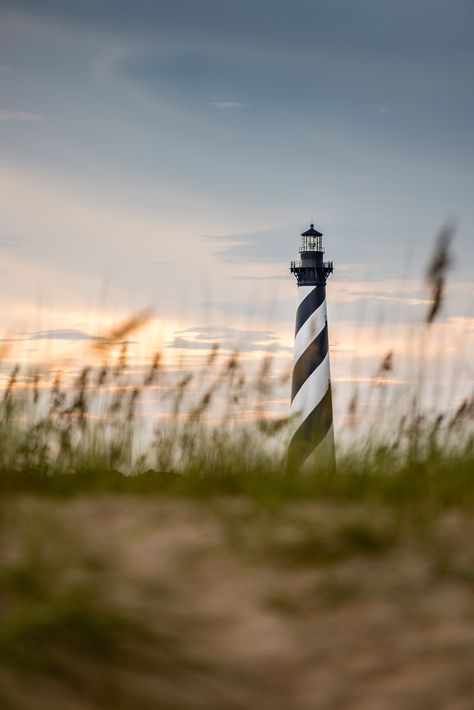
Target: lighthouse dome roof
[{"x": 312, "y": 232}]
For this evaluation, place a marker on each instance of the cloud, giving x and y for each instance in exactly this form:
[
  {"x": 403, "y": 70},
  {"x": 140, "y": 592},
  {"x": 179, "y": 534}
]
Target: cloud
[
  {"x": 62, "y": 334},
  {"x": 14, "y": 115},
  {"x": 410, "y": 299},
  {"x": 272, "y": 277},
  {"x": 8, "y": 241},
  {"x": 271, "y": 246},
  {"x": 189, "y": 344},
  {"x": 229, "y": 104},
  {"x": 57, "y": 334},
  {"x": 208, "y": 332},
  {"x": 239, "y": 339}
]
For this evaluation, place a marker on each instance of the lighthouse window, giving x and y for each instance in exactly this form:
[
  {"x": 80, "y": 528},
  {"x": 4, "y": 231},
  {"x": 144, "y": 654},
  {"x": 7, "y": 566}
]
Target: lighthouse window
[{"x": 311, "y": 243}]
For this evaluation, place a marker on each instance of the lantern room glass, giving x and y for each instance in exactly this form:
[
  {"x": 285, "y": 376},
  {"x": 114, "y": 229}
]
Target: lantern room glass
[{"x": 311, "y": 243}]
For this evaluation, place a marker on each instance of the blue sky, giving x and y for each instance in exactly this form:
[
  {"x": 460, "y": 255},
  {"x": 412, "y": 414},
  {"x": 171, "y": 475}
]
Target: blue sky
[{"x": 169, "y": 153}]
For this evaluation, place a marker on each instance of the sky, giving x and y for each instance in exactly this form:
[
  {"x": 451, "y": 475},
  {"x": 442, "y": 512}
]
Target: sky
[{"x": 166, "y": 155}]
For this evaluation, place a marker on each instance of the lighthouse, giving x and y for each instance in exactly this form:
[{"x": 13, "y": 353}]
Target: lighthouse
[{"x": 312, "y": 441}]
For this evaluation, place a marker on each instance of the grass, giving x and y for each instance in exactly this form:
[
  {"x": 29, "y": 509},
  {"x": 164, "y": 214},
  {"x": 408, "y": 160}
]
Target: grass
[
  {"x": 185, "y": 588},
  {"x": 199, "y": 572}
]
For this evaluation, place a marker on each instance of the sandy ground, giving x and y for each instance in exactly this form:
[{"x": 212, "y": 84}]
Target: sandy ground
[{"x": 244, "y": 609}]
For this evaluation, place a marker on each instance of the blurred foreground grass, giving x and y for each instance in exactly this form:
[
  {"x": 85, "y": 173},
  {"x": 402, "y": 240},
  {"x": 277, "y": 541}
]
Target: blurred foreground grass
[
  {"x": 195, "y": 596},
  {"x": 233, "y": 583}
]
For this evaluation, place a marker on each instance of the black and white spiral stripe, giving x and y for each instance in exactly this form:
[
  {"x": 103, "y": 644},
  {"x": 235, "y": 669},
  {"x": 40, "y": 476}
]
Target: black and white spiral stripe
[{"x": 311, "y": 402}]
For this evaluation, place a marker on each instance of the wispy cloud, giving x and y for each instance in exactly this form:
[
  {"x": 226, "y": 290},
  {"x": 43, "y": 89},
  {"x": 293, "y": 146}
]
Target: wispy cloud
[
  {"x": 374, "y": 295},
  {"x": 208, "y": 332},
  {"x": 229, "y": 104},
  {"x": 8, "y": 241},
  {"x": 227, "y": 338},
  {"x": 7, "y": 114},
  {"x": 271, "y": 245},
  {"x": 62, "y": 334},
  {"x": 57, "y": 334},
  {"x": 272, "y": 277}
]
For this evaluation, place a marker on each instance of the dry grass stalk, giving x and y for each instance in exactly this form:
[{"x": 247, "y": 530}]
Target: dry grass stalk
[{"x": 437, "y": 271}]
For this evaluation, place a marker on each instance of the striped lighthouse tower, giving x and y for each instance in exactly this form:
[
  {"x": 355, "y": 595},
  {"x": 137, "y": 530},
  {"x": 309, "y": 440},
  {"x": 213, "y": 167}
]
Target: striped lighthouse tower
[{"x": 312, "y": 442}]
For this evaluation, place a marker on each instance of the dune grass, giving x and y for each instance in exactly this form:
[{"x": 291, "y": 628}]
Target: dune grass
[
  {"x": 198, "y": 571},
  {"x": 182, "y": 576}
]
